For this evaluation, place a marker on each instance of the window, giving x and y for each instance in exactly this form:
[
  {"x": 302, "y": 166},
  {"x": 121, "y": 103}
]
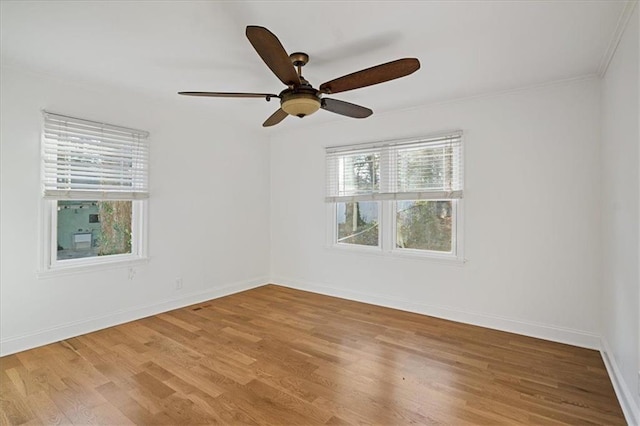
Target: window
[
  {"x": 95, "y": 190},
  {"x": 398, "y": 196}
]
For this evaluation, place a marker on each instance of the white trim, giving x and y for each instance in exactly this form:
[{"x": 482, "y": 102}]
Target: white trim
[
  {"x": 64, "y": 331},
  {"x": 459, "y": 237},
  {"x": 388, "y": 227},
  {"x": 359, "y": 248},
  {"x": 118, "y": 263},
  {"x": 621, "y": 26},
  {"x": 625, "y": 397},
  {"x": 49, "y": 266},
  {"x": 541, "y": 331},
  {"x": 420, "y": 256}
]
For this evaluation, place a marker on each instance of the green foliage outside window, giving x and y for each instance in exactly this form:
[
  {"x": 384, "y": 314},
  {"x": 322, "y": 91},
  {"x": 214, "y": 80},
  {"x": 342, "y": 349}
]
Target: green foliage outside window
[
  {"x": 424, "y": 225},
  {"x": 355, "y": 229},
  {"x": 115, "y": 220}
]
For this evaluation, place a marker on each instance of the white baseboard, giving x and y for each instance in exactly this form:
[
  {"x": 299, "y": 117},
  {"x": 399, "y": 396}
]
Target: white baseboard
[
  {"x": 625, "y": 397},
  {"x": 65, "y": 331},
  {"x": 541, "y": 331}
]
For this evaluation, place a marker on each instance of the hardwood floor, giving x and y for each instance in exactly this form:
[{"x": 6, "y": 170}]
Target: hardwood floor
[{"x": 274, "y": 355}]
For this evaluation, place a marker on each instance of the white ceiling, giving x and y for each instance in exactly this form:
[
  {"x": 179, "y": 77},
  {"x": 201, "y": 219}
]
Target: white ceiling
[{"x": 466, "y": 48}]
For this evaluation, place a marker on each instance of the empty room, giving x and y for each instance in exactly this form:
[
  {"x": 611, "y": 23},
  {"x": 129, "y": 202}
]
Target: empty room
[{"x": 320, "y": 212}]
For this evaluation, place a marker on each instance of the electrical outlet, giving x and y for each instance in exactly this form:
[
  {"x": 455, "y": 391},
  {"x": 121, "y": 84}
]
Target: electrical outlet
[
  {"x": 131, "y": 274},
  {"x": 178, "y": 283}
]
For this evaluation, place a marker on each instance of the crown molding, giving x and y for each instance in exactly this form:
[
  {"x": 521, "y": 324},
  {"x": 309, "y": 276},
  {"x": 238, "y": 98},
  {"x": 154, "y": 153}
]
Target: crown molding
[{"x": 623, "y": 22}]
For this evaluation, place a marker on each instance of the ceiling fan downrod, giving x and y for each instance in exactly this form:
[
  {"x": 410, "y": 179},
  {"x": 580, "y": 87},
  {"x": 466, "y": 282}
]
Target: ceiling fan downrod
[{"x": 299, "y": 60}]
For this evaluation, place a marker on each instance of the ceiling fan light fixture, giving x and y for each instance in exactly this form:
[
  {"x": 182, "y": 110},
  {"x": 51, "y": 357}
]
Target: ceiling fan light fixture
[{"x": 300, "y": 104}]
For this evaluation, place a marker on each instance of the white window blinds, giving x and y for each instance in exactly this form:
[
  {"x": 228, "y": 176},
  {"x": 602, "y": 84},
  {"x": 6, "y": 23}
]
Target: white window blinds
[
  {"x": 89, "y": 160},
  {"x": 426, "y": 168}
]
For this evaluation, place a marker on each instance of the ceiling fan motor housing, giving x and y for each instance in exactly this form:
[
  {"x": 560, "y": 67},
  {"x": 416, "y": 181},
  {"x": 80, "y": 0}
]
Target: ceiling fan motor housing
[{"x": 300, "y": 101}]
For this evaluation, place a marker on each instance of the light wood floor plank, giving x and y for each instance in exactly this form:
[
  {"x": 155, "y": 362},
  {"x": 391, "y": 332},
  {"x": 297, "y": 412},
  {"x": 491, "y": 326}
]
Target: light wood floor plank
[{"x": 275, "y": 355}]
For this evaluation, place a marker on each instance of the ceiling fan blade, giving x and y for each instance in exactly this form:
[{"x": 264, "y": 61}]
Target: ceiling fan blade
[
  {"x": 230, "y": 95},
  {"x": 273, "y": 54},
  {"x": 345, "y": 108},
  {"x": 370, "y": 76},
  {"x": 275, "y": 118}
]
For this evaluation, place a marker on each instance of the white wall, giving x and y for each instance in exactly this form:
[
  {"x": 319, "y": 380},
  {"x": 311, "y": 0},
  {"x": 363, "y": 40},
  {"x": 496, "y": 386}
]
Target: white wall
[
  {"x": 532, "y": 214},
  {"x": 212, "y": 234},
  {"x": 620, "y": 216}
]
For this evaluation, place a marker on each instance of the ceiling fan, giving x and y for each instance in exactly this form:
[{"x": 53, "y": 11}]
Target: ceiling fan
[{"x": 300, "y": 98}]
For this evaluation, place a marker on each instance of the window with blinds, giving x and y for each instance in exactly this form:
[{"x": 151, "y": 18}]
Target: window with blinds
[
  {"x": 427, "y": 168},
  {"x": 95, "y": 185},
  {"x": 398, "y": 196},
  {"x": 89, "y": 160}
]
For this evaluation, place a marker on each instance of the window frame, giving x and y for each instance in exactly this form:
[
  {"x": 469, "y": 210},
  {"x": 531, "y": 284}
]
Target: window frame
[
  {"x": 456, "y": 234},
  {"x": 387, "y": 234},
  {"x": 48, "y": 263},
  {"x": 387, "y": 224}
]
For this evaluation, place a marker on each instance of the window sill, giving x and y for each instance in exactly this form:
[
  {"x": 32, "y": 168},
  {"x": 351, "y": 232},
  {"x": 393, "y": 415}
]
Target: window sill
[
  {"x": 375, "y": 250},
  {"x": 448, "y": 259},
  {"x": 86, "y": 267},
  {"x": 398, "y": 254}
]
